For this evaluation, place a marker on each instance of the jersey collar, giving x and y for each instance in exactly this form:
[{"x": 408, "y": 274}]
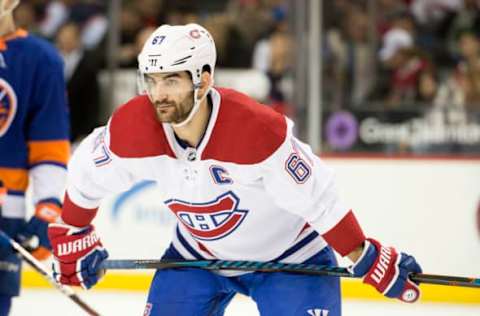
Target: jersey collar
[{"x": 19, "y": 33}]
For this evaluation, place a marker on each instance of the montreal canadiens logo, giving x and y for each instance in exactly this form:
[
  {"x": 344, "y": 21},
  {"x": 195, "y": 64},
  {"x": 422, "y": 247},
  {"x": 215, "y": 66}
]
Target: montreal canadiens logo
[
  {"x": 8, "y": 106},
  {"x": 211, "y": 220}
]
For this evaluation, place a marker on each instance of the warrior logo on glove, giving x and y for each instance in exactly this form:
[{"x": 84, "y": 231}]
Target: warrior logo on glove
[
  {"x": 78, "y": 253},
  {"x": 77, "y": 245},
  {"x": 387, "y": 271}
]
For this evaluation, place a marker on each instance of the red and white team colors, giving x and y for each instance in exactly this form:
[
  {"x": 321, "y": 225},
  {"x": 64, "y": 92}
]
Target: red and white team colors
[{"x": 249, "y": 191}]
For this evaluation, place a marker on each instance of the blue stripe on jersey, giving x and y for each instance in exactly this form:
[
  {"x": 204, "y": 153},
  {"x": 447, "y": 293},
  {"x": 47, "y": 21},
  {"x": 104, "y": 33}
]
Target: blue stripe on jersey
[
  {"x": 51, "y": 200},
  {"x": 187, "y": 246},
  {"x": 51, "y": 163},
  {"x": 297, "y": 246},
  {"x": 16, "y": 193}
]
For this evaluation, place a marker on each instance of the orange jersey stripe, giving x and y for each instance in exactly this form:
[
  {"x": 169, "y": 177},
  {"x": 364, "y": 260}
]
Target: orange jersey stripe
[
  {"x": 56, "y": 151},
  {"x": 13, "y": 35},
  {"x": 14, "y": 178}
]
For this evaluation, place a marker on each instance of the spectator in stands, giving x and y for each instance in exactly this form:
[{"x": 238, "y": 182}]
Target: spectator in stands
[
  {"x": 399, "y": 36},
  {"x": 462, "y": 91},
  {"x": 251, "y": 20},
  {"x": 273, "y": 56},
  {"x": 89, "y": 15},
  {"x": 234, "y": 51},
  {"x": 334, "y": 13},
  {"x": 458, "y": 99},
  {"x": 135, "y": 48},
  {"x": 56, "y": 14},
  {"x": 385, "y": 10},
  {"x": 82, "y": 83},
  {"x": 432, "y": 13},
  {"x": 466, "y": 18},
  {"x": 412, "y": 78},
  {"x": 219, "y": 27},
  {"x": 351, "y": 61},
  {"x": 433, "y": 19},
  {"x": 180, "y": 11},
  {"x": 130, "y": 25},
  {"x": 151, "y": 11},
  {"x": 249, "y": 17},
  {"x": 25, "y": 17}
]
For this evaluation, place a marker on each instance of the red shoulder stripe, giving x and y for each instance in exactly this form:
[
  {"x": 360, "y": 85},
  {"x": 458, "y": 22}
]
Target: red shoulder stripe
[
  {"x": 135, "y": 131},
  {"x": 246, "y": 132}
]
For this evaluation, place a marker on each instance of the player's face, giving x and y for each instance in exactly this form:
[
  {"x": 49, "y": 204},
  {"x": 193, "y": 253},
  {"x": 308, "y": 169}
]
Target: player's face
[{"x": 171, "y": 95}]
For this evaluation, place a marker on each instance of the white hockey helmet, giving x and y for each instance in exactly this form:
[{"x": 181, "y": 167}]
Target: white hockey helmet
[
  {"x": 178, "y": 48},
  {"x": 7, "y": 6}
]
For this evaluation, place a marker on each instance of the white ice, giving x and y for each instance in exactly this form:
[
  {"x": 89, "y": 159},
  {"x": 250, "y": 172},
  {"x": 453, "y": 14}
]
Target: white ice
[{"x": 51, "y": 303}]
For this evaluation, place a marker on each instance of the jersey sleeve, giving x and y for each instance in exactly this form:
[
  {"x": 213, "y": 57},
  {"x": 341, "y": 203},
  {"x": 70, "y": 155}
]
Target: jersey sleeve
[
  {"x": 47, "y": 130},
  {"x": 301, "y": 183},
  {"x": 94, "y": 172}
]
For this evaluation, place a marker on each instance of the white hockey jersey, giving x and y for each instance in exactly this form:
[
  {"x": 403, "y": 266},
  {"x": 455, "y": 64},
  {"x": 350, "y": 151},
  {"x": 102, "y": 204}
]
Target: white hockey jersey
[{"x": 249, "y": 191}]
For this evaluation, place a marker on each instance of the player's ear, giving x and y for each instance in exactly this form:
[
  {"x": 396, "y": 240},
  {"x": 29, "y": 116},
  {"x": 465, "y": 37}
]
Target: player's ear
[{"x": 205, "y": 83}]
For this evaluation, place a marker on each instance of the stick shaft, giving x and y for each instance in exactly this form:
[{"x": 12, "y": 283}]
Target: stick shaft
[
  {"x": 300, "y": 268},
  {"x": 38, "y": 266},
  {"x": 446, "y": 280}
]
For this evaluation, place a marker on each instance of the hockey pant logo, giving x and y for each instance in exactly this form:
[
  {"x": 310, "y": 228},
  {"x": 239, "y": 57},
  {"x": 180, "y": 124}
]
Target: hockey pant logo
[
  {"x": 210, "y": 220},
  {"x": 317, "y": 312}
]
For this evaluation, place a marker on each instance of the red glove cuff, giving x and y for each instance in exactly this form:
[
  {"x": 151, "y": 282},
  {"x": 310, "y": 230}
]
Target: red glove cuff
[
  {"x": 75, "y": 215},
  {"x": 346, "y": 236}
]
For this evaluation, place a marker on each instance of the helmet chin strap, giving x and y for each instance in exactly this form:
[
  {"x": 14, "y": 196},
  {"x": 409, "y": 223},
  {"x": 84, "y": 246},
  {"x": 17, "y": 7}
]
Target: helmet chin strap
[{"x": 196, "y": 106}]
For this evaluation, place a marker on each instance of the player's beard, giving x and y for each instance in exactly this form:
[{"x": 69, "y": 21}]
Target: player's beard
[{"x": 169, "y": 111}]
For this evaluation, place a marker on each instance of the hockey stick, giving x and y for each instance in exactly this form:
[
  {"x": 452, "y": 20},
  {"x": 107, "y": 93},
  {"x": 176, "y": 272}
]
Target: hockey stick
[
  {"x": 254, "y": 266},
  {"x": 35, "y": 264}
]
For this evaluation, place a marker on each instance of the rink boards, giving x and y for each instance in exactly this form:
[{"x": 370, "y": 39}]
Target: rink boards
[{"x": 425, "y": 207}]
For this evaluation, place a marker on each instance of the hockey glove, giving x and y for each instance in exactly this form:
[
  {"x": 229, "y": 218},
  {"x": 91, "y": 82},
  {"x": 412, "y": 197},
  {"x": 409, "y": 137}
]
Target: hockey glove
[
  {"x": 34, "y": 235},
  {"x": 78, "y": 254},
  {"x": 387, "y": 271}
]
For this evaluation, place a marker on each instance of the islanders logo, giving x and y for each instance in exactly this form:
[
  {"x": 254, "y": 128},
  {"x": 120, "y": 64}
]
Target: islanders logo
[
  {"x": 8, "y": 106},
  {"x": 211, "y": 220}
]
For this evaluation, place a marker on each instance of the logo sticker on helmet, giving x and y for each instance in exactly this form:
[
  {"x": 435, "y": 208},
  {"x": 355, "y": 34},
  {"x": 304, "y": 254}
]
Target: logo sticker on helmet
[{"x": 195, "y": 34}]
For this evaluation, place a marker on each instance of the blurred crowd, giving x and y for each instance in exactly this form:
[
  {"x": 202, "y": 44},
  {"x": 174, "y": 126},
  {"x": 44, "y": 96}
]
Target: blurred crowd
[
  {"x": 246, "y": 32},
  {"x": 405, "y": 55}
]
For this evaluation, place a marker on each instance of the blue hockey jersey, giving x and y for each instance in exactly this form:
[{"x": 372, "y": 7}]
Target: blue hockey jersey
[{"x": 33, "y": 121}]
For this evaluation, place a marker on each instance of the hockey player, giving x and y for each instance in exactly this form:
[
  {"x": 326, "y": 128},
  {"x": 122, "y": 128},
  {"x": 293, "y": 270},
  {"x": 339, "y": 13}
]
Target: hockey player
[
  {"x": 241, "y": 185},
  {"x": 33, "y": 144}
]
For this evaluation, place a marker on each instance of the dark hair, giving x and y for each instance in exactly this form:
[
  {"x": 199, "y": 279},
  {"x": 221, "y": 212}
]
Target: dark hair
[{"x": 207, "y": 68}]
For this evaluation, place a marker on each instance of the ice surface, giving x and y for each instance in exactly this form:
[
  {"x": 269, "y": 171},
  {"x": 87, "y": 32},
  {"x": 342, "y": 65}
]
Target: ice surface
[{"x": 49, "y": 302}]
